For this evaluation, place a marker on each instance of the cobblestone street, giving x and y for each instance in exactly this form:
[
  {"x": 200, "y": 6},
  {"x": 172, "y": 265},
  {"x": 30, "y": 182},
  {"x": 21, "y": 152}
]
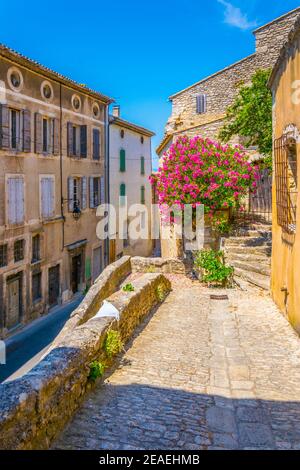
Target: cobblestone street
[{"x": 199, "y": 374}]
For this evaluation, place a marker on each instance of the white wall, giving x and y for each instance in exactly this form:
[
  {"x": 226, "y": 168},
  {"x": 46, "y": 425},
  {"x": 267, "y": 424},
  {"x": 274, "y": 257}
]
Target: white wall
[{"x": 133, "y": 180}]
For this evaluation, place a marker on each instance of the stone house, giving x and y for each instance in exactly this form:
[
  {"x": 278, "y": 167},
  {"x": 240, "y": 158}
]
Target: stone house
[
  {"x": 200, "y": 109},
  {"x": 53, "y": 148},
  {"x": 130, "y": 168},
  {"x": 284, "y": 83}
]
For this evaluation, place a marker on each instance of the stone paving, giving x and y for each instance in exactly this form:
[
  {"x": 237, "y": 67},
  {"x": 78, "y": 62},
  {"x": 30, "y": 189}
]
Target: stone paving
[{"x": 199, "y": 374}]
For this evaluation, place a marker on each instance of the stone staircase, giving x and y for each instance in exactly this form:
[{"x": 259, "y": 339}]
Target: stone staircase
[{"x": 249, "y": 252}]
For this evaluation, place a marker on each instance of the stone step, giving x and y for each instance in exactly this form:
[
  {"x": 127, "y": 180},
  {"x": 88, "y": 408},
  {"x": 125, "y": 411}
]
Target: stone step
[
  {"x": 247, "y": 241},
  {"x": 244, "y": 250},
  {"x": 258, "y": 267},
  {"x": 256, "y": 279},
  {"x": 249, "y": 257},
  {"x": 246, "y": 232}
]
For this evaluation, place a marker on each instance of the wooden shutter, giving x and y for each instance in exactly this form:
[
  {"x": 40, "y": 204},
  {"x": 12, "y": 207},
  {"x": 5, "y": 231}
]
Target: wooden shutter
[
  {"x": 91, "y": 187},
  {"x": 4, "y": 126},
  {"x": 70, "y": 139},
  {"x": 71, "y": 193},
  {"x": 96, "y": 144},
  {"x": 142, "y": 165},
  {"x": 15, "y": 200},
  {"x": 55, "y": 127},
  {"x": 102, "y": 190},
  {"x": 11, "y": 205},
  {"x": 122, "y": 160},
  {"x": 83, "y": 141},
  {"x": 38, "y": 133},
  {"x": 142, "y": 194},
  {"x": 122, "y": 189},
  {"x": 26, "y": 130},
  {"x": 83, "y": 192},
  {"x": 47, "y": 197},
  {"x": 201, "y": 104}
]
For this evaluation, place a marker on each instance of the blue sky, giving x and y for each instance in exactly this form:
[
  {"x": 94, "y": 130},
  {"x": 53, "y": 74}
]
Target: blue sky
[{"x": 138, "y": 52}]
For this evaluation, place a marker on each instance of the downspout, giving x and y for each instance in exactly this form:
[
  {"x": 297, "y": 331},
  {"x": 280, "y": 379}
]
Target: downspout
[
  {"x": 106, "y": 178},
  {"x": 61, "y": 169}
]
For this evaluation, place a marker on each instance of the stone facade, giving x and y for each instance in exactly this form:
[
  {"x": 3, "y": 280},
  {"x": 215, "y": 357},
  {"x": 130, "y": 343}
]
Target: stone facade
[
  {"x": 52, "y": 147},
  {"x": 221, "y": 88},
  {"x": 36, "y": 407}
]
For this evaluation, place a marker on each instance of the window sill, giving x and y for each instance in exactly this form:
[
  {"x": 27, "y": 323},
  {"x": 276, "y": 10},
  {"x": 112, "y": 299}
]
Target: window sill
[
  {"x": 52, "y": 220},
  {"x": 36, "y": 262}
]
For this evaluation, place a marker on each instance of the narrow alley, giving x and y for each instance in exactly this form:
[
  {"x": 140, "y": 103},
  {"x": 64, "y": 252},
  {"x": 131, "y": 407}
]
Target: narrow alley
[{"x": 199, "y": 374}]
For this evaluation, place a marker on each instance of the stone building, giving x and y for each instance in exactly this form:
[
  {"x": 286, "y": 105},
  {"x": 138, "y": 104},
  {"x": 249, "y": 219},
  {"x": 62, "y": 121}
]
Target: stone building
[
  {"x": 200, "y": 109},
  {"x": 284, "y": 83},
  {"x": 53, "y": 146},
  {"x": 130, "y": 169}
]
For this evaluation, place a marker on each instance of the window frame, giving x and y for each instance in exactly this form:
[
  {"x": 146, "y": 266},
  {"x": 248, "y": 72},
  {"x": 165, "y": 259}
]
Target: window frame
[
  {"x": 19, "y": 250},
  {"x": 3, "y": 255},
  {"x": 36, "y": 249},
  {"x": 39, "y": 296}
]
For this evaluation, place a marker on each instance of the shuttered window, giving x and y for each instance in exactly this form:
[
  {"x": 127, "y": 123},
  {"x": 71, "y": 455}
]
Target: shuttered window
[
  {"x": 142, "y": 194},
  {"x": 201, "y": 104},
  {"x": 142, "y": 165},
  {"x": 47, "y": 197},
  {"x": 19, "y": 246},
  {"x": 122, "y": 160},
  {"x": 36, "y": 286},
  {"x": 96, "y": 144},
  {"x": 3, "y": 256},
  {"x": 76, "y": 140},
  {"x": 95, "y": 191},
  {"x": 15, "y": 200},
  {"x": 122, "y": 194},
  {"x": 15, "y": 129},
  {"x": 36, "y": 248}
]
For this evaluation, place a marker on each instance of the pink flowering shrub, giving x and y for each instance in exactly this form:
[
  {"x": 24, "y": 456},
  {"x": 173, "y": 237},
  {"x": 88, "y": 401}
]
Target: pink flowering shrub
[{"x": 200, "y": 171}]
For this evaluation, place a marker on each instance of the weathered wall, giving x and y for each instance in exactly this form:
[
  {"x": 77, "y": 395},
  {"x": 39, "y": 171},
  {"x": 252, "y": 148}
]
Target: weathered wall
[
  {"x": 286, "y": 247},
  {"x": 158, "y": 265},
  {"x": 35, "y": 408}
]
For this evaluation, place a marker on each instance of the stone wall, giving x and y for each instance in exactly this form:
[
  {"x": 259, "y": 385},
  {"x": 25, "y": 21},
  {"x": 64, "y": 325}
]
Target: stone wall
[
  {"x": 221, "y": 87},
  {"x": 36, "y": 407},
  {"x": 158, "y": 265}
]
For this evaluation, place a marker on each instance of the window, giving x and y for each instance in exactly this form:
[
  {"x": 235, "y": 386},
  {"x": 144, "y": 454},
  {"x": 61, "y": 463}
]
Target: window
[
  {"x": 142, "y": 139},
  {"x": 95, "y": 189},
  {"x": 19, "y": 250},
  {"x": 46, "y": 135},
  {"x": 201, "y": 104},
  {"x": 36, "y": 248},
  {"x": 77, "y": 192},
  {"x": 142, "y": 194},
  {"x": 15, "y": 200},
  {"x": 47, "y": 191},
  {"x": 3, "y": 256},
  {"x": 77, "y": 140},
  {"x": 122, "y": 133},
  {"x": 122, "y": 160},
  {"x": 15, "y": 129},
  {"x": 96, "y": 144},
  {"x": 96, "y": 110},
  {"x": 47, "y": 91},
  {"x": 36, "y": 286},
  {"x": 15, "y": 79},
  {"x": 286, "y": 182},
  {"x": 142, "y": 165},
  {"x": 122, "y": 193},
  {"x": 76, "y": 102}
]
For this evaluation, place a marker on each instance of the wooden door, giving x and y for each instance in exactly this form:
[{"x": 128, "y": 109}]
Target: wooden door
[
  {"x": 112, "y": 251},
  {"x": 97, "y": 262},
  {"x": 76, "y": 273},
  {"x": 13, "y": 302},
  {"x": 53, "y": 282}
]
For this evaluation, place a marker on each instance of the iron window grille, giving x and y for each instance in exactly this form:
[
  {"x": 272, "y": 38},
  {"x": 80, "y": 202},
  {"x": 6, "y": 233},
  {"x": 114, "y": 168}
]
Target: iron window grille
[
  {"x": 19, "y": 250},
  {"x": 285, "y": 151},
  {"x": 3, "y": 256}
]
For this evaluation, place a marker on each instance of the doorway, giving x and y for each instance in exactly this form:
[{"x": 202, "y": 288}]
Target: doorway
[
  {"x": 76, "y": 273},
  {"x": 53, "y": 281},
  {"x": 14, "y": 301}
]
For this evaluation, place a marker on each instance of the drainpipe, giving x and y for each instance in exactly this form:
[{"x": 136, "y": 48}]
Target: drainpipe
[
  {"x": 61, "y": 169},
  {"x": 106, "y": 177}
]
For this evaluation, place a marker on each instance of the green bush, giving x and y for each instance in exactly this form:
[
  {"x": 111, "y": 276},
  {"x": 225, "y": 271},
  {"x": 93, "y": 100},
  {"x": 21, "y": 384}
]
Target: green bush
[
  {"x": 96, "y": 370},
  {"x": 214, "y": 268},
  {"x": 113, "y": 343},
  {"x": 128, "y": 288},
  {"x": 160, "y": 293}
]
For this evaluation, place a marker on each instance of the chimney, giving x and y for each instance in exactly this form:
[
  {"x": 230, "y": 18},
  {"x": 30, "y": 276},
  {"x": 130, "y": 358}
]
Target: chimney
[{"x": 116, "y": 111}]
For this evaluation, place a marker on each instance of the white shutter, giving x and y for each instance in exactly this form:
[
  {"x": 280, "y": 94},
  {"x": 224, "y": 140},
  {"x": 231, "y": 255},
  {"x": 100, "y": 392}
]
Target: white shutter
[
  {"x": 102, "y": 190},
  {"x": 83, "y": 192},
  {"x": 20, "y": 201},
  {"x": 71, "y": 193},
  {"x": 91, "y": 184},
  {"x": 51, "y": 198},
  {"x": 47, "y": 197},
  {"x": 15, "y": 200},
  {"x": 11, "y": 203}
]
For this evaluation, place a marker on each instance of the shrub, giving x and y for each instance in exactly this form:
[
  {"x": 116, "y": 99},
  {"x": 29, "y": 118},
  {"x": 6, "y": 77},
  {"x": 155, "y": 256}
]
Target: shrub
[
  {"x": 128, "y": 288},
  {"x": 160, "y": 294},
  {"x": 214, "y": 269},
  {"x": 113, "y": 343},
  {"x": 96, "y": 370}
]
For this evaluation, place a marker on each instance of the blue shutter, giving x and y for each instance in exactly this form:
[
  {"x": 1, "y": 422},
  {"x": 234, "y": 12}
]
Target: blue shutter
[{"x": 83, "y": 141}]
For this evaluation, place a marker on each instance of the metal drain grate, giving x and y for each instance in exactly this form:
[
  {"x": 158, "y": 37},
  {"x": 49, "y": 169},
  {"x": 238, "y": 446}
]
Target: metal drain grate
[{"x": 219, "y": 297}]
